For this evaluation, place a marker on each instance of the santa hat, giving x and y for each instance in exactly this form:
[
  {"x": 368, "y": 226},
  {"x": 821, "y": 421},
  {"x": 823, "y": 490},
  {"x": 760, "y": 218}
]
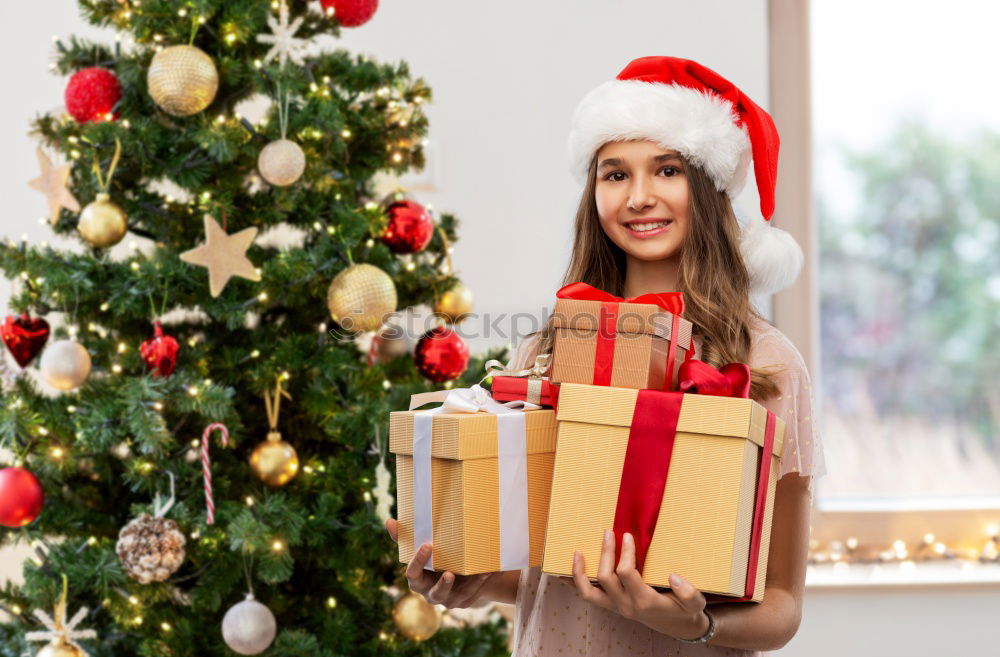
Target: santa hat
[{"x": 681, "y": 105}]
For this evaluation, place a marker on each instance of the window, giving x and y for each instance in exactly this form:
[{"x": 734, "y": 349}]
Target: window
[{"x": 906, "y": 178}]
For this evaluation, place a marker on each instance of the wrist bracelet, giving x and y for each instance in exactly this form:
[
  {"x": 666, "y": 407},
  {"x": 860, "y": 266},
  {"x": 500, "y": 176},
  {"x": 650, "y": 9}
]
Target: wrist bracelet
[{"x": 709, "y": 633}]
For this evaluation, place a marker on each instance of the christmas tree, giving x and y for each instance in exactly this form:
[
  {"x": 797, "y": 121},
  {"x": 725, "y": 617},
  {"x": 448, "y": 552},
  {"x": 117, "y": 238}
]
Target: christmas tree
[{"x": 207, "y": 418}]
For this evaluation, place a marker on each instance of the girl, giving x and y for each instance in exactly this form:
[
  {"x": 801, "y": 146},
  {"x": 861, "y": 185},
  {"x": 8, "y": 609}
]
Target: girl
[{"x": 661, "y": 150}]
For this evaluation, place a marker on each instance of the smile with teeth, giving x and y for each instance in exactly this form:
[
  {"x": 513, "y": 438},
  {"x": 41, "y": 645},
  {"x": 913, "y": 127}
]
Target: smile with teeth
[{"x": 641, "y": 228}]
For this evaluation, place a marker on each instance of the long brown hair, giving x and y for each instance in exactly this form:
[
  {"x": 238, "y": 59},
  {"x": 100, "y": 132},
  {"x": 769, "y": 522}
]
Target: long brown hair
[{"x": 713, "y": 276}]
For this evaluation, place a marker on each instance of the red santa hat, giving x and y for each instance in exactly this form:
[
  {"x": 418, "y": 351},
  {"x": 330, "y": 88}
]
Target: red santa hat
[{"x": 684, "y": 106}]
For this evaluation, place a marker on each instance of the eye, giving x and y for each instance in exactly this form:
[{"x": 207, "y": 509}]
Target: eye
[
  {"x": 675, "y": 171},
  {"x": 611, "y": 177}
]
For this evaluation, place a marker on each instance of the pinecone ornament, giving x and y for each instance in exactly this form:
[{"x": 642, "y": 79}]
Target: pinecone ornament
[{"x": 151, "y": 549}]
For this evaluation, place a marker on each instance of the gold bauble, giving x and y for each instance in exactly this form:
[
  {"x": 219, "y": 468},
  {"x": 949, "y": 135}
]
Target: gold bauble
[
  {"x": 59, "y": 648},
  {"x": 360, "y": 298},
  {"x": 281, "y": 162},
  {"x": 274, "y": 461},
  {"x": 102, "y": 222},
  {"x": 182, "y": 80},
  {"x": 455, "y": 304},
  {"x": 416, "y": 618},
  {"x": 65, "y": 364}
]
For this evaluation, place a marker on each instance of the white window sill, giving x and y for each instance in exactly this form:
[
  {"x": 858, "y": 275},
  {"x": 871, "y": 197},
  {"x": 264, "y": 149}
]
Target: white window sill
[{"x": 907, "y": 574}]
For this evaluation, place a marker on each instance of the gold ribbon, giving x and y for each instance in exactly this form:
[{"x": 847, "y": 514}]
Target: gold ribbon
[
  {"x": 534, "y": 374},
  {"x": 105, "y": 184},
  {"x": 272, "y": 401}
]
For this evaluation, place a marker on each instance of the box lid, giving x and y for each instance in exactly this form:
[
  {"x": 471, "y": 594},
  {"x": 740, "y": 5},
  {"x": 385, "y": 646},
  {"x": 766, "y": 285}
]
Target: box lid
[
  {"x": 704, "y": 414},
  {"x": 632, "y": 318},
  {"x": 465, "y": 436}
]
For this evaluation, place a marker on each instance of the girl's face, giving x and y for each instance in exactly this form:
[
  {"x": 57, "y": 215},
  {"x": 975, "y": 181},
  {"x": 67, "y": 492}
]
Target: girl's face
[{"x": 642, "y": 198}]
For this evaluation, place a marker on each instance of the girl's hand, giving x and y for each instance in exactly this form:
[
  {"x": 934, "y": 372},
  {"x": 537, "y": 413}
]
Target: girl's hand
[
  {"x": 447, "y": 588},
  {"x": 679, "y": 613}
]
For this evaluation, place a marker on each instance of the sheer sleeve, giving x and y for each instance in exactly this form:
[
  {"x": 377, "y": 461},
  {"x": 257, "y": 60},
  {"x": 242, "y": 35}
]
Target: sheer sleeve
[
  {"x": 794, "y": 403},
  {"x": 526, "y": 351}
]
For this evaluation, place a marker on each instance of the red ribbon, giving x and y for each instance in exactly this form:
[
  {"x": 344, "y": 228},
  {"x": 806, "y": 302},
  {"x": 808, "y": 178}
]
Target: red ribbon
[
  {"x": 650, "y": 448},
  {"x": 672, "y": 302},
  {"x": 604, "y": 356},
  {"x": 697, "y": 377}
]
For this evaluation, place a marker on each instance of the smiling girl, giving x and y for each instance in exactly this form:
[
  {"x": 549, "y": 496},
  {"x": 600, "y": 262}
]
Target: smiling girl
[{"x": 661, "y": 150}]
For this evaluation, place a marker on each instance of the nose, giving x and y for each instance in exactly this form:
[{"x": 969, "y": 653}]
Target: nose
[{"x": 639, "y": 197}]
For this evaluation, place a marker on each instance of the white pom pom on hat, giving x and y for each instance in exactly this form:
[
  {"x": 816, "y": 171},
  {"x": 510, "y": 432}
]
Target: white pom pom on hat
[{"x": 684, "y": 106}]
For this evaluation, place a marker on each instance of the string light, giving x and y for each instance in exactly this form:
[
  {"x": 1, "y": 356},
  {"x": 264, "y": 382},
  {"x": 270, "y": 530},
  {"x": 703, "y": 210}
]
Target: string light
[
  {"x": 57, "y": 453},
  {"x": 249, "y": 500},
  {"x": 17, "y": 610},
  {"x": 331, "y": 602},
  {"x": 105, "y": 306},
  {"x": 132, "y": 600},
  {"x": 277, "y": 546},
  {"x": 122, "y": 347},
  {"x": 166, "y": 626}
]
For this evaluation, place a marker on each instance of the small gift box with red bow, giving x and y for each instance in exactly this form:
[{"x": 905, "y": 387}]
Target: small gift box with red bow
[
  {"x": 527, "y": 384},
  {"x": 473, "y": 478},
  {"x": 690, "y": 476},
  {"x": 605, "y": 340}
]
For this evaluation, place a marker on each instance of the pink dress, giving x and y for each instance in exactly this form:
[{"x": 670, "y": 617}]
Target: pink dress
[{"x": 553, "y": 621}]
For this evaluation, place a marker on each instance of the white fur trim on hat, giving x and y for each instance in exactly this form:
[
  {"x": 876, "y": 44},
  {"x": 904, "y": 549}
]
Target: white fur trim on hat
[
  {"x": 702, "y": 127},
  {"x": 772, "y": 256}
]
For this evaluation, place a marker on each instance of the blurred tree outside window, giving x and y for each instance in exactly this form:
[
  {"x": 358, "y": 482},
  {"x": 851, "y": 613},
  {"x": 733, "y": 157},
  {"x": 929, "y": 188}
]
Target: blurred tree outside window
[{"x": 907, "y": 185}]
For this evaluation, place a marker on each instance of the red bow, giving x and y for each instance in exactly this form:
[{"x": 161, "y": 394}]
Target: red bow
[
  {"x": 698, "y": 377},
  {"x": 672, "y": 302}
]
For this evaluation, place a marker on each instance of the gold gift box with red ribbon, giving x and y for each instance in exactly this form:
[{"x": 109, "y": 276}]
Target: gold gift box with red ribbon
[
  {"x": 690, "y": 476},
  {"x": 602, "y": 339}
]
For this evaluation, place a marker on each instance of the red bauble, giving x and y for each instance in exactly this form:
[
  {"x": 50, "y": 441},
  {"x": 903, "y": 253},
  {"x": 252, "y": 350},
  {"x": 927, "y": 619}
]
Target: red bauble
[
  {"x": 91, "y": 94},
  {"x": 351, "y": 13},
  {"x": 21, "y": 497},
  {"x": 410, "y": 227},
  {"x": 160, "y": 352},
  {"x": 441, "y": 354},
  {"x": 24, "y": 336}
]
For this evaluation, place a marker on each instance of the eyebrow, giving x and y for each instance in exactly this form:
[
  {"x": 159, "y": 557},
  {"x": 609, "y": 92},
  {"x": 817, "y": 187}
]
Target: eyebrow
[{"x": 617, "y": 162}]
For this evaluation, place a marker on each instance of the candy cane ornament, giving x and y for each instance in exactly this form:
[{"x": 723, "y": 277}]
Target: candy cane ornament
[{"x": 206, "y": 466}]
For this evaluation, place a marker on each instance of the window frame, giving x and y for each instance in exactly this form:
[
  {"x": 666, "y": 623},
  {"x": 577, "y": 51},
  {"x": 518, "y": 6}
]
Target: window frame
[{"x": 795, "y": 310}]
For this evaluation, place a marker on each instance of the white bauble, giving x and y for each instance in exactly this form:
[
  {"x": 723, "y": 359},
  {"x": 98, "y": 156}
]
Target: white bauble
[
  {"x": 281, "y": 162},
  {"x": 65, "y": 364},
  {"x": 249, "y": 627}
]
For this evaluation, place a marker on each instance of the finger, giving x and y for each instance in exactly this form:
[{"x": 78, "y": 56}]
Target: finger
[
  {"x": 627, "y": 573},
  {"x": 439, "y": 592},
  {"x": 468, "y": 590},
  {"x": 606, "y": 570},
  {"x": 420, "y": 580},
  {"x": 687, "y": 595},
  {"x": 588, "y": 591},
  {"x": 393, "y": 528}
]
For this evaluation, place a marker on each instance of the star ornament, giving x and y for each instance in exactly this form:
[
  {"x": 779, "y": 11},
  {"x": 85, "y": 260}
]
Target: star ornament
[
  {"x": 53, "y": 183},
  {"x": 223, "y": 255},
  {"x": 284, "y": 44}
]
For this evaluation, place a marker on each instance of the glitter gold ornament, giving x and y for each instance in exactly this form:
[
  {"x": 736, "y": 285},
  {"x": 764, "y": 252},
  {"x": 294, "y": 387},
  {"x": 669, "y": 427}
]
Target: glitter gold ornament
[
  {"x": 103, "y": 223},
  {"x": 281, "y": 162},
  {"x": 455, "y": 303},
  {"x": 274, "y": 461},
  {"x": 360, "y": 298},
  {"x": 182, "y": 80},
  {"x": 248, "y": 628},
  {"x": 65, "y": 364},
  {"x": 415, "y": 617}
]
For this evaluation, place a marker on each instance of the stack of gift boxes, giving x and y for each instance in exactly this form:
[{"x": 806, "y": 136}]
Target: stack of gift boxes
[{"x": 640, "y": 437}]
